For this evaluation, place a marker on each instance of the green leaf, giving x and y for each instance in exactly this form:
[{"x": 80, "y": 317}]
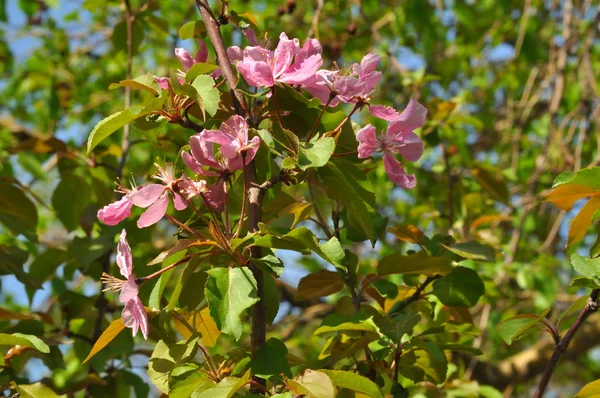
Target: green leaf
[
  {"x": 17, "y": 213},
  {"x": 312, "y": 384},
  {"x": 192, "y": 30},
  {"x": 272, "y": 297},
  {"x": 270, "y": 264},
  {"x": 588, "y": 267},
  {"x": 432, "y": 360},
  {"x": 397, "y": 326},
  {"x": 226, "y": 388},
  {"x": 12, "y": 260},
  {"x": 460, "y": 288},
  {"x": 350, "y": 187},
  {"x": 165, "y": 358},
  {"x": 473, "y": 250},
  {"x": 24, "y": 340},
  {"x": 419, "y": 263},
  {"x": 229, "y": 292},
  {"x": 271, "y": 360},
  {"x": 492, "y": 182},
  {"x": 319, "y": 284},
  {"x": 205, "y": 87},
  {"x": 590, "y": 390},
  {"x": 112, "y": 123},
  {"x": 315, "y": 154},
  {"x": 198, "y": 69},
  {"x": 188, "y": 271},
  {"x": 359, "y": 321},
  {"x": 37, "y": 390},
  {"x": 303, "y": 240},
  {"x": 71, "y": 196},
  {"x": 142, "y": 82},
  {"x": 519, "y": 326},
  {"x": 161, "y": 284},
  {"x": 112, "y": 331},
  {"x": 354, "y": 382}
]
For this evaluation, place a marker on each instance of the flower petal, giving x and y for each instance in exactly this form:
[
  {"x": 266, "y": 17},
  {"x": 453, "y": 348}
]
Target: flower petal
[
  {"x": 256, "y": 73},
  {"x": 124, "y": 260},
  {"x": 384, "y": 112},
  {"x": 412, "y": 117},
  {"x": 134, "y": 316},
  {"x": 130, "y": 290},
  {"x": 396, "y": 172},
  {"x": 184, "y": 57},
  {"x": 303, "y": 72},
  {"x": 237, "y": 127},
  {"x": 202, "y": 54},
  {"x": 178, "y": 202},
  {"x": 410, "y": 146},
  {"x": 217, "y": 194},
  {"x": 147, "y": 194},
  {"x": 163, "y": 82},
  {"x": 367, "y": 141},
  {"x": 191, "y": 162},
  {"x": 154, "y": 212},
  {"x": 115, "y": 212},
  {"x": 203, "y": 151}
]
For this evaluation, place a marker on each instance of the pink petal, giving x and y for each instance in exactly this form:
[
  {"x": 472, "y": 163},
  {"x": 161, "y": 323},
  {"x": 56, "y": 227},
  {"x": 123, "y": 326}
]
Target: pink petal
[
  {"x": 412, "y": 117},
  {"x": 410, "y": 146},
  {"x": 256, "y": 74},
  {"x": 235, "y": 54},
  {"x": 283, "y": 55},
  {"x": 155, "y": 212},
  {"x": 202, "y": 54},
  {"x": 203, "y": 151},
  {"x": 163, "y": 82},
  {"x": 178, "y": 202},
  {"x": 115, "y": 212},
  {"x": 236, "y": 126},
  {"x": 134, "y": 316},
  {"x": 384, "y": 112},
  {"x": 367, "y": 141},
  {"x": 229, "y": 145},
  {"x": 217, "y": 194},
  {"x": 396, "y": 172},
  {"x": 146, "y": 195},
  {"x": 191, "y": 162},
  {"x": 124, "y": 260},
  {"x": 367, "y": 64},
  {"x": 130, "y": 290},
  {"x": 184, "y": 57},
  {"x": 303, "y": 72},
  {"x": 250, "y": 35}
]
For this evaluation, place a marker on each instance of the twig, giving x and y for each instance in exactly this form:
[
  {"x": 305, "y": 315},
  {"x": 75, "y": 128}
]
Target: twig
[
  {"x": 414, "y": 297},
  {"x": 314, "y": 26},
  {"x": 563, "y": 343}
]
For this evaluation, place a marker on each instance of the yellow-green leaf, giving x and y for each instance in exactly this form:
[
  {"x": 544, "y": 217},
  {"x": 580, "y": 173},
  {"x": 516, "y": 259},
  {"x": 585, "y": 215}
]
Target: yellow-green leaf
[
  {"x": 407, "y": 233},
  {"x": 418, "y": 263},
  {"x": 319, "y": 284},
  {"x": 564, "y": 196},
  {"x": 106, "y": 337},
  {"x": 202, "y": 322},
  {"x": 590, "y": 390}
]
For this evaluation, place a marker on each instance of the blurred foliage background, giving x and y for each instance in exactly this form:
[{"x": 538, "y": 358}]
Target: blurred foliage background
[{"x": 513, "y": 98}]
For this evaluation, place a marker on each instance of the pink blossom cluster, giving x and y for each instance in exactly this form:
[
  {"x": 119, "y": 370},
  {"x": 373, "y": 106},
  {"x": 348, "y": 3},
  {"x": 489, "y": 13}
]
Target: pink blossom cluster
[{"x": 300, "y": 66}]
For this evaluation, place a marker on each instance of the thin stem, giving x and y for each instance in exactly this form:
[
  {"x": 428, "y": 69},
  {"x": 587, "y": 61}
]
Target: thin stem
[
  {"x": 320, "y": 217},
  {"x": 314, "y": 127},
  {"x": 226, "y": 211},
  {"x": 563, "y": 342},
  {"x": 339, "y": 127},
  {"x": 415, "y": 296},
  {"x": 182, "y": 225},
  {"x": 160, "y": 271}
]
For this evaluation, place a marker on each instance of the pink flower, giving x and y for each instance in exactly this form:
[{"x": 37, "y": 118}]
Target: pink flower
[
  {"x": 356, "y": 85},
  {"x": 399, "y": 138},
  {"x": 134, "y": 315},
  {"x": 186, "y": 58},
  {"x": 235, "y": 152},
  {"x": 289, "y": 63},
  {"x": 155, "y": 197},
  {"x": 115, "y": 212}
]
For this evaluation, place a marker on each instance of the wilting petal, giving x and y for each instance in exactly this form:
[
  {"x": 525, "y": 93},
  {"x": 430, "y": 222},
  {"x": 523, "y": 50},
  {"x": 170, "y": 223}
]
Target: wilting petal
[
  {"x": 217, "y": 195},
  {"x": 202, "y": 54},
  {"x": 163, "y": 82},
  {"x": 154, "y": 212},
  {"x": 256, "y": 73},
  {"x": 184, "y": 57},
  {"x": 396, "y": 172},
  {"x": 124, "y": 260},
  {"x": 191, "y": 188},
  {"x": 410, "y": 146},
  {"x": 384, "y": 112},
  {"x": 367, "y": 141},
  {"x": 178, "y": 202},
  {"x": 134, "y": 316},
  {"x": 115, "y": 212},
  {"x": 130, "y": 290},
  {"x": 412, "y": 117},
  {"x": 146, "y": 195}
]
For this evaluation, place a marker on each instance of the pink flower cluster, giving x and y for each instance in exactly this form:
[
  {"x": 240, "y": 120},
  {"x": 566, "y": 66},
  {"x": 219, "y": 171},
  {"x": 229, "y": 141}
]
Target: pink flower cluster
[{"x": 300, "y": 66}]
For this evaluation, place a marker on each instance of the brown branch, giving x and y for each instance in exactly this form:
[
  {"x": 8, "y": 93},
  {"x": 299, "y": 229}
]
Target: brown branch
[{"x": 564, "y": 342}]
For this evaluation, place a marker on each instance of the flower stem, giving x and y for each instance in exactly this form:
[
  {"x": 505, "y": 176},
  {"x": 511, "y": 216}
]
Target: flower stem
[
  {"x": 244, "y": 198},
  {"x": 339, "y": 128},
  {"x": 182, "y": 225},
  {"x": 160, "y": 271},
  {"x": 314, "y": 127}
]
